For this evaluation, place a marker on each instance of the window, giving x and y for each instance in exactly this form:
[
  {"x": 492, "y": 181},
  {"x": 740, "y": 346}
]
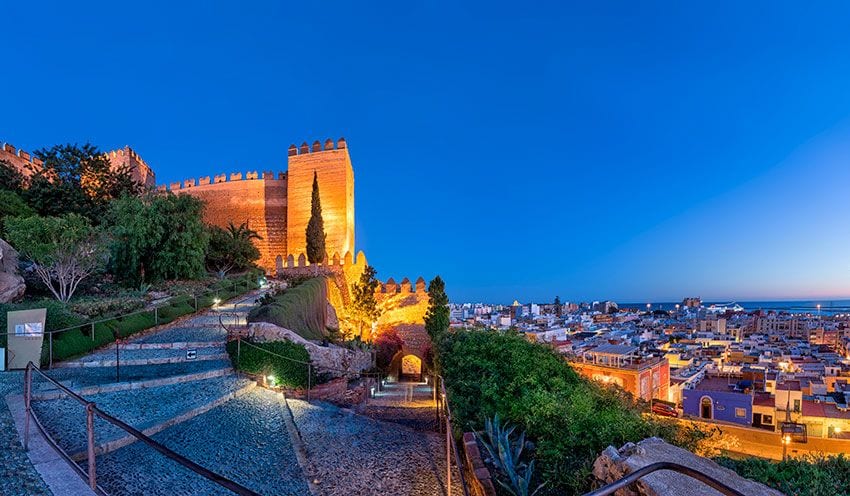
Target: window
[
  {"x": 767, "y": 419},
  {"x": 740, "y": 412},
  {"x": 796, "y": 405}
]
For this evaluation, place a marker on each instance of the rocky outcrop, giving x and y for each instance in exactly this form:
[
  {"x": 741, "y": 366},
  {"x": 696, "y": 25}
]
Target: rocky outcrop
[
  {"x": 331, "y": 358},
  {"x": 12, "y": 285},
  {"x": 614, "y": 464}
]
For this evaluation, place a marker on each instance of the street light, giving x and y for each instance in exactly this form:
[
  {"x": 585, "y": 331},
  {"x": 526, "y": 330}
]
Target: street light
[{"x": 786, "y": 440}]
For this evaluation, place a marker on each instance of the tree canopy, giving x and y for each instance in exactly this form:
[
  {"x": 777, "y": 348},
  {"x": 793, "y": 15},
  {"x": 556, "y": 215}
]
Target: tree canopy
[
  {"x": 316, "y": 227},
  {"x": 231, "y": 248},
  {"x": 10, "y": 178},
  {"x": 77, "y": 179},
  {"x": 12, "y": 205},
  {"x": 364, "y": 306},
  {"x": 156, "y": 237},
  {"x": 63, "y": 250},
  {"x": 437, "y": 318}
]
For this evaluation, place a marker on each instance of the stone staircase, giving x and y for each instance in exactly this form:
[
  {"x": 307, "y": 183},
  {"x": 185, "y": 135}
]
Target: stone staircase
[{"x": 193, "y": 403}]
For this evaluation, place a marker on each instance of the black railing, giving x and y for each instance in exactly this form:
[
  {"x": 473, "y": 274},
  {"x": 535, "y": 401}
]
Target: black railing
[
  {"x": 234, "y": 334},
  {"x": 675, "y": 467},
  {"x": 451, "y": 443},
  {"x": 90, "y": 474}
]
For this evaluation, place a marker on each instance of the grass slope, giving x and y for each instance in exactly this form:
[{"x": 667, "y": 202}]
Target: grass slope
[{"x": 300, "y": 309}]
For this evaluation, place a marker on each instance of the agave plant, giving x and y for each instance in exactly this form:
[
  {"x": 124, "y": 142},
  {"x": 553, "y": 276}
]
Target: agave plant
[{"x": 505, "y": 453}]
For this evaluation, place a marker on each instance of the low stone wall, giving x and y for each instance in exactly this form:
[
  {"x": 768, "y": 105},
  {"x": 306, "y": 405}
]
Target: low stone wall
[
  {"x": 337, "y": 391},
  {"x": 329, "y": 359},
  {"x": 614, "y": 464},
  {"x": 480, "y": 481}
]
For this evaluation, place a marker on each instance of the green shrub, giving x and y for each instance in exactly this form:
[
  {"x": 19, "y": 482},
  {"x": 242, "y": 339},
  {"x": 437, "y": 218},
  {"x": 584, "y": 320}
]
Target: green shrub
[
  {"x": 132, "y": 324},
  {"x": 287, "y": 373},
  {"x": 571, "y": 420},
  {"x": 58, "y": 315},
  {"x": 300, "y": 309},
  {"x": 99, "y": 307},
  {"x": 807, "y": 476}
]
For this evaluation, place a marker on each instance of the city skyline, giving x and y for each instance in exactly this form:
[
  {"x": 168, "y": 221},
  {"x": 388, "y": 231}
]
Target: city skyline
[{"x": 631, "y": 154}]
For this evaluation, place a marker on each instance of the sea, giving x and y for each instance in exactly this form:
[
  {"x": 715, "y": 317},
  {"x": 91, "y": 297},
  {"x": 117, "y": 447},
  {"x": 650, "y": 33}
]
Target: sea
[{"x": 827, "y": 307}]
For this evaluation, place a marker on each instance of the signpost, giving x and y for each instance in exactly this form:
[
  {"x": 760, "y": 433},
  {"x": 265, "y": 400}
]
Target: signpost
[
  {"x": 26, "y": 336},
  {"x": 191, "y": 354}
]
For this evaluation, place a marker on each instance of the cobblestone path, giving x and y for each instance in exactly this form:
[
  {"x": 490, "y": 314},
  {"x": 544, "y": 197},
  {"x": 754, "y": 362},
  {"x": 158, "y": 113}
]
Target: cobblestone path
[
  {"x": 352, "y": 454},
  {"x": 202, "y": 410}
]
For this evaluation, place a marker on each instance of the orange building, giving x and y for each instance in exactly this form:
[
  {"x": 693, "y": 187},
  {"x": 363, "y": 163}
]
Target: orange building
[{"x": 644, "y": 378}]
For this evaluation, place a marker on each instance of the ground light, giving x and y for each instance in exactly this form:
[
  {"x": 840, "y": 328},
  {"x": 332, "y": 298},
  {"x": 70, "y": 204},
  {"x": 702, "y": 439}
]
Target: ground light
[
  {"x": 216, "y": 302},
  {"x": 271, "y": 380}
]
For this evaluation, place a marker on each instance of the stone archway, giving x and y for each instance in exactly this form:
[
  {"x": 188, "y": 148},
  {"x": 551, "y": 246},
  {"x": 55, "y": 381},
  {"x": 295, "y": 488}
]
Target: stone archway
[{"x": 410, "y": 368}]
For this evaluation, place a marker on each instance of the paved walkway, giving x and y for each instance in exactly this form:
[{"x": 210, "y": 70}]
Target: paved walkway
[{"x": 202, "y": 410}]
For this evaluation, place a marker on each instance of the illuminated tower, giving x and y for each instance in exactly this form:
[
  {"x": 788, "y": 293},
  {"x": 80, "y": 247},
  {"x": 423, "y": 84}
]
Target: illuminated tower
[{"x": 336, "y": 191}]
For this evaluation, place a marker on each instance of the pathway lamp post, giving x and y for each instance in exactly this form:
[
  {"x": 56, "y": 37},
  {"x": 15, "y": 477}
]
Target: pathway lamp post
[{"x": 786, "y": 440}]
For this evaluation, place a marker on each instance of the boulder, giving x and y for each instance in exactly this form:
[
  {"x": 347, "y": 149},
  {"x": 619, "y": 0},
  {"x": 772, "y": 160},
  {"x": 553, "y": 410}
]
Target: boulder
[
  {"x": 331, "y": 358},
  {"x": 614, "y": 464},
  {"x": 12, "y": 285}
]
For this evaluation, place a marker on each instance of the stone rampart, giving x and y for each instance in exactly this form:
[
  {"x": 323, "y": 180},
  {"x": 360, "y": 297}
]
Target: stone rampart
[
  {"x": 259, "y": 202},
  {"x": 20, "y": 160}
]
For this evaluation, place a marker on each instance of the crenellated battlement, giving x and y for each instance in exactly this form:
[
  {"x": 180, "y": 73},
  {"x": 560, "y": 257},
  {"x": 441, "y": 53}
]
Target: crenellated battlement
[
  {"x": 223, "y": 178},
  {"x": 390, "y": 287},
  {"x": 316, "y": 147},
  {"x": 21, "y": 160}
]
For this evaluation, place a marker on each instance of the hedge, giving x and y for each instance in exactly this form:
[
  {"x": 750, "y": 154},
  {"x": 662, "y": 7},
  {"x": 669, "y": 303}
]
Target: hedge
[
  {"x": 78, "y": 340},
  {"x": 807, "y": 476},
  {"x": 300, "y": 309},
  {"x": 287, "y": 373}
]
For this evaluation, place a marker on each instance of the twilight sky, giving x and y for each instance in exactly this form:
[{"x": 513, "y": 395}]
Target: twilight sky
[{"x": 635, "y": 151}]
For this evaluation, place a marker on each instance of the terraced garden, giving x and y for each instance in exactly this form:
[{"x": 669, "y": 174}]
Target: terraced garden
[{"x": 201, "y": 409}]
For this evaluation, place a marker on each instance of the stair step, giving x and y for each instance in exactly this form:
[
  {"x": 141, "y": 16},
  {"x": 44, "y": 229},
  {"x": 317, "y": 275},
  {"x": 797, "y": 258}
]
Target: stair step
[
  {"x": 245, "y": 440},
  {"x": 150, "y": 410},
  {"x": 144, "y": 356}
]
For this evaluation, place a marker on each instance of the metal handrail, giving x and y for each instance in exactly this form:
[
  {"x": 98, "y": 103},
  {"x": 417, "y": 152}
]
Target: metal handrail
[
  {"x": 91, "y": 411},
  {"x": 154, "y": 308},
  {"x": 451, "y": 442},
  {"x": 675, "y": 467}
]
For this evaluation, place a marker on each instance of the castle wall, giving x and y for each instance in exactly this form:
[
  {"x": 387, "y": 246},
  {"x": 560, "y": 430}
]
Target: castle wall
[
  {"x": 20, "y": 160},
  {"x": 141, "y": 171},
  {"x": 336, "y": 190},
  {"x": 260, "y": 202}
]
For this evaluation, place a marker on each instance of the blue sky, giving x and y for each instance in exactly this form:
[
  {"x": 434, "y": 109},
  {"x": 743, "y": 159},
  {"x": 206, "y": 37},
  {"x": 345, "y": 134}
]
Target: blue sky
[{"x": 614, "y": 150}]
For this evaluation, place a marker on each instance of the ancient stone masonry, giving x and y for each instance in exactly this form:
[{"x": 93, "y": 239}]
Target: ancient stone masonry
[
  {"x": 277, "y": 205},
  {"x": 140, "y": 170},
  {"x": 22, "y": 161},
  {"x": 259, "y": 202},
  {"x": 28, "y": 165}
]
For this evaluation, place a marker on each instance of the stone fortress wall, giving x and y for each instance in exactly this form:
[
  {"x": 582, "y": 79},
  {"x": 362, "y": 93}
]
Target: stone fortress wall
[
  {"x": 28, "y": 165},
  {"x": 21, "y": 160},
  {"x": 140, "y": 170},
  {"x": 278, "y": 206},
  {"x": 258, "y": 200}
]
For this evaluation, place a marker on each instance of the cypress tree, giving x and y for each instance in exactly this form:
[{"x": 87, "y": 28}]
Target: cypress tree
[
  {"x": 316, "y": 227},
  {"x": 437, "y": 319}
]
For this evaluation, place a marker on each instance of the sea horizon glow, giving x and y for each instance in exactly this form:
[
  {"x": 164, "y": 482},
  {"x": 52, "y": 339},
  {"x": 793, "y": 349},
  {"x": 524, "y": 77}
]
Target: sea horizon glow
[{"x": 595, "y": 152}]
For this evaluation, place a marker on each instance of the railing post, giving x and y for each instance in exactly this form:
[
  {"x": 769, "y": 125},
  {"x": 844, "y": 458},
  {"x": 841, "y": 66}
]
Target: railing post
[
  {"x": 92, "y": 331},
  {"x": 196, "y": 302},
  {"x": 90, "y": 433},
  {"x": 309, "y": 379},
  {"x": 117, "y": 362},
  {"x": 448, "y": 458},
  {"x": 27, "y": 399},
  {"x": 155, "y": 315},
  {"x": 50, "y": 345}
]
